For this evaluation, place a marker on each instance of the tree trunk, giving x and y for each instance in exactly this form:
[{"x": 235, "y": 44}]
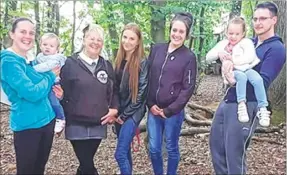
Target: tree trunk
[
  {"x": 49, "y": 16},
  {"x": 43, "y": 17},
  {"x": 277, "y": 91},
  {"x": 37, "y": 18},
  {"x": 57, "y": 17},
  {"x": 201, "y": 37},
  {"x": 192, "y": 37},
  {"x": 9, "y": 6},
  {"x": 190, "y": 41},
  {"x": 157, "y": 21},
  {"x": 6, "y": 15},
  {"x": 112, "y": 28},
  {"x": 252, "y": 9},
  {"x": 5, "y": 21},
  {"x": 235, "y": 8},
  {"x": 281, "y": 24},
  {"x": 53, "y": 16},
  {"x": 74, "y": 26}
]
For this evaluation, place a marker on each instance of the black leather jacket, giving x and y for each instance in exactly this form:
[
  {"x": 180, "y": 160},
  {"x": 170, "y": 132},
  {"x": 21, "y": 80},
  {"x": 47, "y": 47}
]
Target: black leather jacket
[{"x": 127, "y": 107}]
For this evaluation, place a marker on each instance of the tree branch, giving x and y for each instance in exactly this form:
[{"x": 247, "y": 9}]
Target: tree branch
[{"x": 195, "y": 122}]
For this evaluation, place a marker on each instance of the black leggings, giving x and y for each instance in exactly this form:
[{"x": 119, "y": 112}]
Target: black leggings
[
  {"x": 32, "y": 148},
  {"x": 85, "y": 151}
]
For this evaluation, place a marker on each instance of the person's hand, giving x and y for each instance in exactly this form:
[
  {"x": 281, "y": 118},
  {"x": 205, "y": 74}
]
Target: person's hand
[
  {"x": 228, "y": 57},
  {"x": 110, "y": 117},
  {"x": 227, "y": 66},
  {"x": 119, "y": 121},
  {"x": 224, "y": 56},
  {"x": 57, "y": 70},
  {"x": 162, "y": 114},
  {"x": 155, "y": 110},
  {"x": 58, "y": 134},
  {"x": 58, "y": 91}
]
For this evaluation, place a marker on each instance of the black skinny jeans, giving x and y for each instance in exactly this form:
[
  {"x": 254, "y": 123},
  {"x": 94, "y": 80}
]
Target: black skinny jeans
[{"x": 32, "y": 148}]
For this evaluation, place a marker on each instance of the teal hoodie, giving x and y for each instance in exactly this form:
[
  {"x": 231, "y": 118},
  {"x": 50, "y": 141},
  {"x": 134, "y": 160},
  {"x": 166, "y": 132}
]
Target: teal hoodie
[{"x": 27, "y": 90}]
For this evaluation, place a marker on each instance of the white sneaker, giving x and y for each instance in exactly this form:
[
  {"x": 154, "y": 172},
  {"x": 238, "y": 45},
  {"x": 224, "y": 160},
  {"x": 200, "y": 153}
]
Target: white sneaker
[
  {"x": 264, "y": 117},
  {"x": 59, "y": 126},
  {"x": 242, "y": 113}
]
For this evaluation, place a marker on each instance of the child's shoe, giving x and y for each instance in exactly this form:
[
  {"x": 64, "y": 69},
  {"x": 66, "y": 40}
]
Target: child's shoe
[
  {"x": 242, "y": 113},
  {"x": 59, "y": 126},
  {"x": 264, "y": 116}
]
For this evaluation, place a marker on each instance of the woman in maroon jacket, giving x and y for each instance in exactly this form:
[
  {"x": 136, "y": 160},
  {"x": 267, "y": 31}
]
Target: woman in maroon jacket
[{"x": 172, "y": 81}]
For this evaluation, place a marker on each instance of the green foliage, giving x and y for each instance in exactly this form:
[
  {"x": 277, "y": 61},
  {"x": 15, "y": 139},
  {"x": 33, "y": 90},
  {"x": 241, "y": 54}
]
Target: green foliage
[
  {"x": 212, "y": 14},
  {"x": 247, "y": 12},
  {"x": 65, "y": 36},
  {"x": 6, "y": 19},
  {"x": 112, "y": 15}
]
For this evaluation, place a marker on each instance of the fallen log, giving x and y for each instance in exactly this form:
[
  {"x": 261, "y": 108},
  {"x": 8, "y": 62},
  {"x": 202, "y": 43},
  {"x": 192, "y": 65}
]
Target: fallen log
[
  {"x": 268, "y": 140},
  {"x": 196, "y": 106},
  {"x": 267, "y": 130},
  {"x": 197, "y": 116},
  {"x": 194, "y": 130},
  {"x": 255, "y": 138},
  {"x": 196, "y": 122},
  {"x": 198, "y": 130}
]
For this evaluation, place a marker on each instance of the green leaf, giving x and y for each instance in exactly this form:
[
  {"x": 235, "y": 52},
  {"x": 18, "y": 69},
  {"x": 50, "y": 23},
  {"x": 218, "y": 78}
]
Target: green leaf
[{"x": 91, "y": 3}]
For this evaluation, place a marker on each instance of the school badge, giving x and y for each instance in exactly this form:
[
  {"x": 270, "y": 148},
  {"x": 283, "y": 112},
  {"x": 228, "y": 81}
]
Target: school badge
[{"x": 102, "y": 76}]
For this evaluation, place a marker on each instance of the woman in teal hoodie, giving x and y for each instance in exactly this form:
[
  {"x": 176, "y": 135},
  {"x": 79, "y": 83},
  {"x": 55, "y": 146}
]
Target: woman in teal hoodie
[{"x": 31, "y": 115}]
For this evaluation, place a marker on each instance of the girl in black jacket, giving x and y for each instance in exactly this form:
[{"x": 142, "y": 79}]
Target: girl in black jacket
[{"x": 132, "y": 80}]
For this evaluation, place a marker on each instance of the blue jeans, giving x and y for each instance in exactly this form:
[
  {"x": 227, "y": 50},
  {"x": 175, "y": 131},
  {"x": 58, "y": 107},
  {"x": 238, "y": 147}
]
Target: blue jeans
[
  {"x": 58, "y": 109},
  {"x": 257, "y": 82},
  {"x": 229, "y": 138},
  {"x": 125, "y": 133},
  {"x": 171, "y": 127}
]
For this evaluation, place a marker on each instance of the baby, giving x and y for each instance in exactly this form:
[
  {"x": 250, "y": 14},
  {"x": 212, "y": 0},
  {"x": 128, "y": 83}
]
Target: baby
[{"x": 48, "y": 59}]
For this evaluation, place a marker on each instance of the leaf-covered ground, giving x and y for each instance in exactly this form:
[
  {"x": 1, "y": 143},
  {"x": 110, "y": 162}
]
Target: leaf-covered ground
[{"x": 262, "y": 158}]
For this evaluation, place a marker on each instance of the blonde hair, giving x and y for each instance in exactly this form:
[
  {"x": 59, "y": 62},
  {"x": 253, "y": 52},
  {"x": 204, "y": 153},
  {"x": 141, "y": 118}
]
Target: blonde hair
[
  {"x": 238, "y": 20},
  {"x": 94, "y": 27},
  {"x": 50, "y": 36}
]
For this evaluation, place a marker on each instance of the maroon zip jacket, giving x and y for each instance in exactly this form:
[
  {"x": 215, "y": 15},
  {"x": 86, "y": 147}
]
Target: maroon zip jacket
[{"x": 172, "y": 78}]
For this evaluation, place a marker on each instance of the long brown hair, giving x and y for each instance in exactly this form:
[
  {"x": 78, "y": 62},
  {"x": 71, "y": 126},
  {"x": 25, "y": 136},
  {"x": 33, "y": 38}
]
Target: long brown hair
[{"x": 133, "y": 64}]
